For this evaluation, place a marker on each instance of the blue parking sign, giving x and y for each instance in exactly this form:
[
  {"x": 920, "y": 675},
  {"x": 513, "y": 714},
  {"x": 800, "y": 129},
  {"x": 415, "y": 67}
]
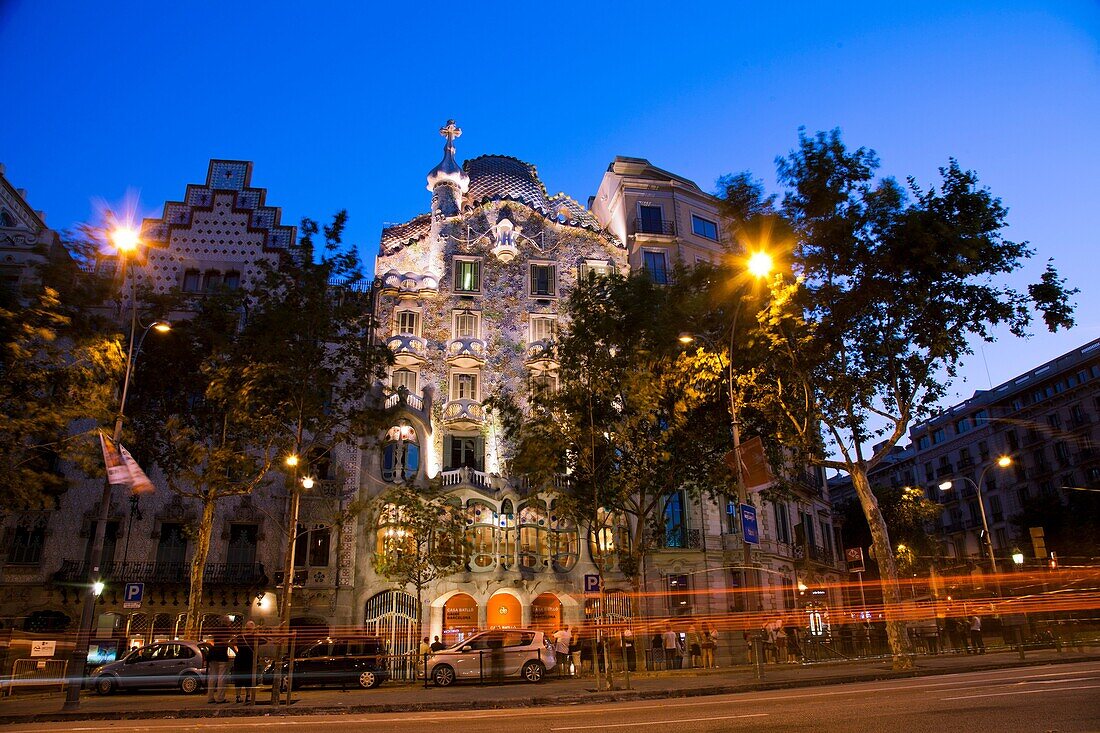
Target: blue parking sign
[
  {"x": 591, "y": 583},
  {"x": 749, "y": 528},
  {"x": 132, "y": 594}
]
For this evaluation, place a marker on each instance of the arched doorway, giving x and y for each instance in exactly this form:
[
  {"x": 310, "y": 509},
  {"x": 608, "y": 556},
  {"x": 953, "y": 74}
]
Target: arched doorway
[
  {"x": 503, "y": 611},
  {"x": 546, "y": 613},
  {"x": 392, "y": 615},
  {"x": 459, "y": 618}
]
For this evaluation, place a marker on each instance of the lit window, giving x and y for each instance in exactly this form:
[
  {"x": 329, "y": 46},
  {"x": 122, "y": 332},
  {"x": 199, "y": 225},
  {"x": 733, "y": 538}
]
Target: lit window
[
  {"x": 594, "y": 268},
  {"x": 400, "y": 454},
  {"x": 544, "y": 280},
  {"x": 408, "y": 323},
  {"x": 542, "y": 328},
  {"x": 404, "y": 378},
  {"x": 467, "y": 275},
  {"x": 464, "y": 386},
  {"x": 704, "y": 227},
  {"x": 466, "y": 325}
]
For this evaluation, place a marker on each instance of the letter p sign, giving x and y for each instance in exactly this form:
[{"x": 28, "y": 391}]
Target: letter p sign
[{"x": 132, "y": 595}]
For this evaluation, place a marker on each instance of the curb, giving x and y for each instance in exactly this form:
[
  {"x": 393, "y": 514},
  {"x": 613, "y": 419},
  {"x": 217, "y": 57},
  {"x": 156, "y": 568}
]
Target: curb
[{"x": 529, "y": 702}]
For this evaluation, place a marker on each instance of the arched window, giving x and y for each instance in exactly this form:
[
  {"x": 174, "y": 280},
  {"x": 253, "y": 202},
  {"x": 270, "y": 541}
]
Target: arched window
[
  {"x": 481, "y": 535},
  {"x": 563, "y": 542},
  {"x": 391, "y": 534},
  {"x": 534, "y": 550},
  {"x": 607, "y": 539},
  {"x": 506, "y": 520},
  {"x": 675, "y": 520},
  {"x": 400, "y": 454}
]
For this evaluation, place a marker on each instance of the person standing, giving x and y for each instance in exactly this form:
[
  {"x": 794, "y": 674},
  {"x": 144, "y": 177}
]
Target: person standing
[
  {"x": 217, "y": 668},
  {"x": 244, "y": 663},
  {"x": 562, "y": 638},
  {"x": 694, "y": 646},
  {"x": 436, "y": 645},
  {"x": 976, "y": 640},
  {"x": 710, "y": 644},
  {"x": 631, "y": 654},
  {"x": 670, "y": 641}
]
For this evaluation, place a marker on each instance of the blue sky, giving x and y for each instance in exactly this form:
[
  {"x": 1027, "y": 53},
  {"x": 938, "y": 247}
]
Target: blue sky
[{"x": 338, "y": 104}]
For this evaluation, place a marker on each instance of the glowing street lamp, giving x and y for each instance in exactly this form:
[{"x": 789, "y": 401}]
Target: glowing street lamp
[
  {"x": 1003, "y": 461},
  {"x": 307, "y": 482},
  {"x": 760, "y": 264},
  {"x": 125, "y": 239}
]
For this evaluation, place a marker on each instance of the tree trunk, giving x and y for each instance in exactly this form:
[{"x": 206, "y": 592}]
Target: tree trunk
[
  {"x": 896, "y": 631},
  {"x": 198, "y": 566}
]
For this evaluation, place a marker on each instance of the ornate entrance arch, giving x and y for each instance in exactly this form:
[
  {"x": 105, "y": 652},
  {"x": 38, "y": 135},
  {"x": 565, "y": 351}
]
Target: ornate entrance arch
[{"x": 392, "y": 615}]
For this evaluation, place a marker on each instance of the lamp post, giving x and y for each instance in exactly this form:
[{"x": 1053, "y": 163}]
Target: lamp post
[
  {"x": 759, "y": 264},
  {"x": 305, "y": 482},
  {"x": 126, "y": 242},
  {"x": 1001, "y": 462}
]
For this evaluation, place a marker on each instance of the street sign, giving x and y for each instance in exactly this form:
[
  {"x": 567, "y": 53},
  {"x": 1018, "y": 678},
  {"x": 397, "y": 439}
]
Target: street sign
[
  {"x": 43, "y": 648},
  {"x": 854, "y": 557},
  {"x": 132, "y": 595},
  {"x": 750, "y": 530},
  {"x": 591, "y": 583}
]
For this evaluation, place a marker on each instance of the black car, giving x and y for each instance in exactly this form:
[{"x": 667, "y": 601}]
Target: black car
[{"x": 337, "y": 661}]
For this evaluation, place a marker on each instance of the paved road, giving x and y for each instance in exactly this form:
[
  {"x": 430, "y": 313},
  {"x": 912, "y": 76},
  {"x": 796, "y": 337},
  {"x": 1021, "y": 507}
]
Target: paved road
[{"x": 1063, "y": 698}]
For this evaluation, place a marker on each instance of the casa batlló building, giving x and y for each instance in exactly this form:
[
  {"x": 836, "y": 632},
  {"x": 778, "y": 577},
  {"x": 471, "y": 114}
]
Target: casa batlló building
[{"x": 468, "y": 297}]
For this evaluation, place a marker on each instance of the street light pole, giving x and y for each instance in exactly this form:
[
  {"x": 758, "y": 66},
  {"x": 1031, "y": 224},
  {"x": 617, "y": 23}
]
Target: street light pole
[
  {"x": 126, "y": 242},
  {"x": 1002, "y": 462}
]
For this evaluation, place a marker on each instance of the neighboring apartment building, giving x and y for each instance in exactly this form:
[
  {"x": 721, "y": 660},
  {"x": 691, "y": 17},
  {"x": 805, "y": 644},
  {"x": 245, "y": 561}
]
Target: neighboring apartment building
[
  {"x": 1044, "y": 419},
  {"x": 25, "y": 240}
]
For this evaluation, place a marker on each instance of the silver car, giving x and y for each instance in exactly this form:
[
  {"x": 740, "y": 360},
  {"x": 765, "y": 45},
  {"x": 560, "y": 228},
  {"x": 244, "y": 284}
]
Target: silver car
[
  {"x": 179, "y": 664},
  {"x": 493, "y": 655}
]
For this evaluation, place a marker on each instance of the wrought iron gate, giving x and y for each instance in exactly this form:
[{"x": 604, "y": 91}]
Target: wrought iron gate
[{"x": 392, "y": 615}]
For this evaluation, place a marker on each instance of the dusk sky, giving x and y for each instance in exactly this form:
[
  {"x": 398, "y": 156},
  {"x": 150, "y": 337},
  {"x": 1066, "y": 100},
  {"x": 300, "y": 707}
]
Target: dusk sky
[{"x": 338, "y": 104}]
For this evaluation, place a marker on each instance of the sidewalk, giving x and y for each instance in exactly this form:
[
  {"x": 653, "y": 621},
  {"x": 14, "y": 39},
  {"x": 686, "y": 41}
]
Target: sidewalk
[{"x": 397, "y": 697}]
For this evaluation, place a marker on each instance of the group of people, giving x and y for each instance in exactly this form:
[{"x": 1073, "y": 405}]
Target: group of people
[
  {"x": 235, "y": 657},
  {"x": 694, "y": 649},
  {"x": 782, "y": 643}
]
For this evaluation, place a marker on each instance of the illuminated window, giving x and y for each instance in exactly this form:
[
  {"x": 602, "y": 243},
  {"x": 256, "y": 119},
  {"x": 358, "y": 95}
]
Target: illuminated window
[
  {"x": 679, "y": 595},
  {"x": 534, "y": 550},
  {"x": 400, "y": 454},
  {"x": 404, "y": 378},
  {"x": 467, "y": 275},
  {"x": 594, "y": 268},
  {"x": 481, "y": 534},
  {"x": 542, "y": 328},
  {"x": 563, "y": 543},
  {"x": 464, "y": 386},
  {"x": 408, "y": 323},
  {"x": 467, "y": 325}
]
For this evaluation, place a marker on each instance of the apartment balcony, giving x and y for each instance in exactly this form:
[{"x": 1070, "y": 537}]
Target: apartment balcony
[
  {"x": 820, "y": 555},
  {"x": 944, "y": 470},
  {"x": 408, "y": 350},
  {"x": 680, "y": 539},
  {"x": 463, "y": 414},
  {"x": 403, "y": 399},
  {"x": 166, "y": 573},
  {"x": 466, "y": 352},
  {"x": 541, "y": 352},
  {"x": 662, "y": 228},
  {"x": 410, "y": 284},
  {"x": 466, "y": 476}
]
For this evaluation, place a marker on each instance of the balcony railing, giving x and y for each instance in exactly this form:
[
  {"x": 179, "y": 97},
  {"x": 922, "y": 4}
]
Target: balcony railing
[
  {"x": 248, "y": 574},
  {"x": 819, "y": 554},
  {"x": 680, "y": 539},
  {"x": 464, "y": 412},
  {"x": 406, "y": 398},
  {"x": 542, "y": 350},
  {"x": 409, "y": 284},
  {"x": 466, "y": 352},
  {"x": 466, "y": 476},
  {"x": 651, "y": 226},
  {"x": 407, "y": 349}
]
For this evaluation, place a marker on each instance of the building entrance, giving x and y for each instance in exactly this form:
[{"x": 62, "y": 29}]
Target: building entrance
[{"x": 459, "y": 618}]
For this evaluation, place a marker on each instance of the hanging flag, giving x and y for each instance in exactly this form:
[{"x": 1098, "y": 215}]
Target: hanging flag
[
  {"x": 117, "y": 473},
  {"x": 138, "y": 481}
]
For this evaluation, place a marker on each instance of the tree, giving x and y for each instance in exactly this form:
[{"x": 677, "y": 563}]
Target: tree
[
  {"x": 635, "y": 418},
  {"x": 887, "y": 287},
  {"x": 420, "y": 539},
  {"x": 908, "y": 513},
  {"x": 57, "y": 383}
]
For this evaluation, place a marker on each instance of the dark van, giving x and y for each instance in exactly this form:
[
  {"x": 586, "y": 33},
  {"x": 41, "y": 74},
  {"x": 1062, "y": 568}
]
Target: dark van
[{"x": 344, "y": 661}]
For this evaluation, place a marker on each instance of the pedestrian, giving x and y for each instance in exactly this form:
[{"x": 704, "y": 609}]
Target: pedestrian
[
  {"x": 777, "y": 641},
  {"x": 657, "y": 651},
  {"x": 694, "y": 646},
  {"x": 575, "y": 651},
  {"x": 244, "y": 663},
  {"x": 631, "y": 654},
  {"x": 794, "y": 648},
  {"x": 424, "y": 650},
  {"x": 436, "y": 645},
  {"x": 674, "y": 655},
  {"x": 710, "y": 644},
  {"x": 217, "y": 667},
  {"x": 976, "y": 640},
  {"x": 562, "y": 638}
]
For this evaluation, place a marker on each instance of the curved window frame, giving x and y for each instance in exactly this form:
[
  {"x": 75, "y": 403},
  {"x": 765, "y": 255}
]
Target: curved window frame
[
  {"x": 533, "y": 547},
  {"x": 481, "y": 535},
  {"x": 400, "y": 460}
]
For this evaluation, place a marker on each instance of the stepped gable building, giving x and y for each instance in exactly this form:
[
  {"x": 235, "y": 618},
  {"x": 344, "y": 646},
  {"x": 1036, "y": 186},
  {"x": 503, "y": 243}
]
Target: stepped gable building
[{"x": 25, "y": 240}]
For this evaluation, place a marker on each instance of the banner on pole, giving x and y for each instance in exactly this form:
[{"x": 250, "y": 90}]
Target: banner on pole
[
  {"x": 139, "y": 482},
  {"x": 117, "y": 473}
]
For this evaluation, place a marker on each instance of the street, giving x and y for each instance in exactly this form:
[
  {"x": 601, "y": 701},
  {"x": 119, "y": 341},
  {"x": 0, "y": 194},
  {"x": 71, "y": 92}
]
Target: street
[{"x": 1045, "y": 698}]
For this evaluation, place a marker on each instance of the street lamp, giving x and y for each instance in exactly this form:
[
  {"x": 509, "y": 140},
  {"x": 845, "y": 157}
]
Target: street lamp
[
  {"x": 306, "y": 482},
  {"x": 759, "y": 265},
  {"x": 1001, "y": 462},
  {"x": 1017, "y": 558},
  {"x": 126, "y": 240}
]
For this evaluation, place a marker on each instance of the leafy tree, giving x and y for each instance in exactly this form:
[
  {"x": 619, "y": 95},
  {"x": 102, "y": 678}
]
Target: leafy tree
[
  {"x": 888, "y": 286},
  {"x": 57, "y": 383},
  {"x": 908, "y": 513},
  {"x": 635, "y": 418},
  {"x": 420, "y": 541}
]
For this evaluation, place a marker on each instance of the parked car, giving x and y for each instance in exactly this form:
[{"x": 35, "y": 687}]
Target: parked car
[
  {"x": 495, "y": 654},
  {"x": 177, "y": 663},
  {"x": 359, "y": 660}
]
